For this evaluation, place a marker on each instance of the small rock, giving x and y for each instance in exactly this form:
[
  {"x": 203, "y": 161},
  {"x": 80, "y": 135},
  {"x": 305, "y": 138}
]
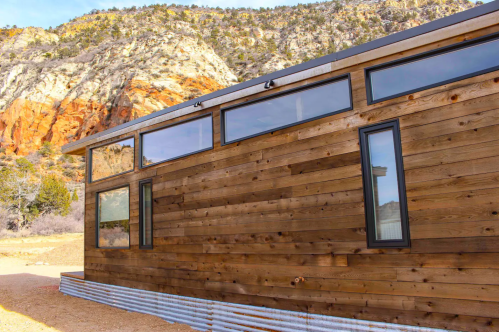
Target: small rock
[{"x": 39, "y": 263}]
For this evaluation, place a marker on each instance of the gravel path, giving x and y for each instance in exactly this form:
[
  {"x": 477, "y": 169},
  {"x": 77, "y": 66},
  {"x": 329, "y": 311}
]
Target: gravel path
[{"x": 30, "y": 301}]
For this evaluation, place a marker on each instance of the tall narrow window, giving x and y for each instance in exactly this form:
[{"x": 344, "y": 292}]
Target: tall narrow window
[
  {"x": 145, "y": 213},
  {"x": 384, "y": 186},
  {"x": 113, "y": 218}
]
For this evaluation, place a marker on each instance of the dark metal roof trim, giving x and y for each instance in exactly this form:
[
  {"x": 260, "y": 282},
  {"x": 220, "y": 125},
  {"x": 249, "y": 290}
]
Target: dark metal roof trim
[{"x": 391, "y": 39}]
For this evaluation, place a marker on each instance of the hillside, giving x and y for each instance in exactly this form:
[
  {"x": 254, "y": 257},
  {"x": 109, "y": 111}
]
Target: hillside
[{"x": 109, "y": 67}]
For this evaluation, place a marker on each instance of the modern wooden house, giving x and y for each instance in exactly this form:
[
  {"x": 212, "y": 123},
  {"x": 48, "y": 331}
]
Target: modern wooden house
[{"x": 355, "y": 192}]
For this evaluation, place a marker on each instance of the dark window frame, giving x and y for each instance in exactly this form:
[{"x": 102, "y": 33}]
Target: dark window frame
[
  {"x": 90, "y": 180},
  {"x": 368, "y": 189},
  {"x": 141, "y": 214},
  {"x": 281, "y": 94},
  {"x": 97, "y": 222},
  {"x": 141, "y": 141},
  {"x": 420, "y": 56}
]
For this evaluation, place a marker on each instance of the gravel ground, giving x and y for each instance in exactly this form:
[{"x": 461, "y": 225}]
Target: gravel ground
[{"x": 30, "y": 299}]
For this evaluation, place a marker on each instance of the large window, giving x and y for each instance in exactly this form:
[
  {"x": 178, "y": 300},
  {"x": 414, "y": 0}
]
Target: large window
[
  {"x": 112, "y": 159},
  {"x": 145, "y": 214},
  {"x": 384, "y": 186},
  {"x": 286, "y": 109},
  {"x": 178, "y": 140},
  {"x": 431, "y": 69},
  {"x": 113, "y": 218}
]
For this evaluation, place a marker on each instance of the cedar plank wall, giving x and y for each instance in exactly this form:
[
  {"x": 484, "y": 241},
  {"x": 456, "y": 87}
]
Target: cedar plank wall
[{"x": 240, "y": 222}]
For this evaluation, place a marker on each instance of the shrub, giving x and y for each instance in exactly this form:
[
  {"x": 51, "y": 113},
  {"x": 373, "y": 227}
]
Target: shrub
[
  {"x": 68, "y": 52},
  {"x": 53, "y": 196},
  {"x": 69, "y": 173},
  {"x": 47, "y": 149},
  {"x": 24, "y": 165},
  {"x": 49, "y": 224}
]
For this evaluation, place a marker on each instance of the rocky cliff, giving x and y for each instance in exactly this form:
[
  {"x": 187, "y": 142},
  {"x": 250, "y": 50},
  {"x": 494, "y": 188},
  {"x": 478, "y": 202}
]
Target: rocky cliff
[{"x": 109, "y": 67}]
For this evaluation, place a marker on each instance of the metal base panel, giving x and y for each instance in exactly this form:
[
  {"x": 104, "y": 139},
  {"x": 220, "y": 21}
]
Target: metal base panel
[{"x": 206, "y": 315}]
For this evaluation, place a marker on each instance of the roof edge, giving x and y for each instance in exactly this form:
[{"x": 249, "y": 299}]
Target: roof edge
[{"x": 391, "y": 39}]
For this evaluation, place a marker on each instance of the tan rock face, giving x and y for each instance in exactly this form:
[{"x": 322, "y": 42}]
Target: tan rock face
[
  {"x": 59, "y": 101},
  {"x": 27, "y": 36},
  {"x": 103, "y": 69}
]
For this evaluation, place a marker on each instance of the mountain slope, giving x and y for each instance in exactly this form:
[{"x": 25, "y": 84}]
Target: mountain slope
[{"x": 109, "y": 67}]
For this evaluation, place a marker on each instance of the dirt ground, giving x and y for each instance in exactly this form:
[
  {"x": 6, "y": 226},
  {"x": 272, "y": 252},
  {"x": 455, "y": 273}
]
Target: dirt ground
[{"x": 30, "y": 300}]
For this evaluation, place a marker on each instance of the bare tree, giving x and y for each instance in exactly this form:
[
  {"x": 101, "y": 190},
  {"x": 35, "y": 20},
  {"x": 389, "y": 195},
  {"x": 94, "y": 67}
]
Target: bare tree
[{"x": 18, "y": 190}]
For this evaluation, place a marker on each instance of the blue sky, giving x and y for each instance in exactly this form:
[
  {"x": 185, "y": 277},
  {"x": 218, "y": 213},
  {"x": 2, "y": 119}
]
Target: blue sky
[{"x": 45, "y": 13}]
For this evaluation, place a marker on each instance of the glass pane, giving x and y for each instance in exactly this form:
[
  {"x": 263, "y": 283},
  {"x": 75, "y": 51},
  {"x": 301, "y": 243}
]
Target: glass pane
[
  {"x": 114, "y": 218},
  {"x": 282, "y": 111},
  {"x": 176, "y": 141},
  {"x": 112, "y": 159},
  {"x": 414, "y": 75},
  {"x": 384, "y": 179},
  {"x": 146, "y": 221}
]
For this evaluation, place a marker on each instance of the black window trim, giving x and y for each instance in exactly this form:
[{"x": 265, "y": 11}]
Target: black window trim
[
  {"x": 205, "y": 115},
  {"x": 368, "y": 190},
  {"x": 416, "y": 57},
  {"x": 141, "y": 213},
  {"x": 97, "y": 216},
  {"x": 90, "y": 180},
  {"x": 280, "y": 94}
]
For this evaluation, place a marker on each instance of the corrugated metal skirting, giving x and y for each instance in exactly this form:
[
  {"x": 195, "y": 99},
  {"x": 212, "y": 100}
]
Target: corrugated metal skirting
[{"x": 205, "y": 315}]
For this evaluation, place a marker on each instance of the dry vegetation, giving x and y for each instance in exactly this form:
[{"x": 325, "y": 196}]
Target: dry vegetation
[{"x": 40, "y": 194}]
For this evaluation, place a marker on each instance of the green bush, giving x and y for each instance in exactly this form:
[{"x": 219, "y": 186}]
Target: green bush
[
  {"x": 47, "y": 149},
  {"x": 53, "y": 196},
  {"x": 24, "y": 165}
]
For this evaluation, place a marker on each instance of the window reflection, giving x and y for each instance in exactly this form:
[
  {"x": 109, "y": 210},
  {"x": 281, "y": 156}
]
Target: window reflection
[
  {"x": 281, "y": 111},
  {"x": 114, "y": 218},
  {"x": 112, "y": 159},
  {"x": 433, "y": 70},
  {"x": 388, "y": 222},
  {"x": 177, "y": 141}
]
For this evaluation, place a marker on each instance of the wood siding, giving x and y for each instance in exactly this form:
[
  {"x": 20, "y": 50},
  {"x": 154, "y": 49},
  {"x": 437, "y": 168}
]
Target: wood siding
[{"x": 241, "y": 222}]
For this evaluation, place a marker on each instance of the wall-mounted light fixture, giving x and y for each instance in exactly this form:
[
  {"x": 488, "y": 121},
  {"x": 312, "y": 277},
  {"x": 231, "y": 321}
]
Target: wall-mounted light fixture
[{"x": 268, "y": 84}]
